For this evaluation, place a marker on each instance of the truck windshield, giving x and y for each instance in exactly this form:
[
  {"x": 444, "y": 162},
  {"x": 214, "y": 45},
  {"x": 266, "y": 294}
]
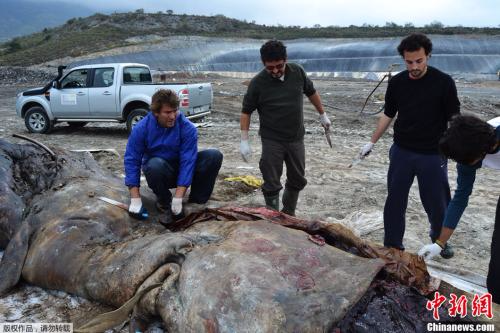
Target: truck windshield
[{"x": 136, "y": 75}]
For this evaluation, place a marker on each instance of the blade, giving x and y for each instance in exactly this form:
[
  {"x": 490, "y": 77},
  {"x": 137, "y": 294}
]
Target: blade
[
  {"x": 356, "y": 161},
  {"x": 114, "y": 202},
  {"x": 328, "y": 139}
]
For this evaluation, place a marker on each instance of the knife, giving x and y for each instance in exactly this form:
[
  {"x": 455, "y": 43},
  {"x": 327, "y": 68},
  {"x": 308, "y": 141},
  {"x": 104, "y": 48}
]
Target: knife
[
  {"x": 328, "y": 139},
  {"x": 355, "y": 161},
  {"x": 142, "y": 215}
]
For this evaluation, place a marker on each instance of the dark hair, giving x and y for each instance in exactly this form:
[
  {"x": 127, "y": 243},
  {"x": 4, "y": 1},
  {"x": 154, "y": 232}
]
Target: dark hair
[
  {"x": 467, "y": 139},
  {"x": 414, "y": 42},
  {"x": 164, "y": 97},
  {"x": 273, "y": 50}
]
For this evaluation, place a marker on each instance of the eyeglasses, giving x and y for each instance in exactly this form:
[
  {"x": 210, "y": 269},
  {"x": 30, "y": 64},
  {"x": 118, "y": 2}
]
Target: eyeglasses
[{"x": 278, "y": 67}]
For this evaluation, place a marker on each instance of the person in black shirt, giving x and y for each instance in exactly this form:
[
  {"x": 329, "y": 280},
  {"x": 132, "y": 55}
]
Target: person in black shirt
[
  {"x": 276, "y": 93},
  {"x": 424, "y": 100}
]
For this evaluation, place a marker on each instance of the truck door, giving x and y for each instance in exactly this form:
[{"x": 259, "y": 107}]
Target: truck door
[
  {"x": 102, "y": 93},
  {"x": 72, "y": 99}
]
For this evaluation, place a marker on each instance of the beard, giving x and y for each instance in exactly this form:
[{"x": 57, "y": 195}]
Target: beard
[
  {"x": 277, "y": 75},
  {"x": 416, "y": 73}
]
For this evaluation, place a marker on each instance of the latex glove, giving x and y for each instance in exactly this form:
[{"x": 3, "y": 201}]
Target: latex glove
[
  {"x": 176, "y": 206},
  {"x": 325, "y": 122},
  {"x": 429, "y": 251},
  {"x": 135, "y": 206},
  {"x": 366, "y": 150},
  {"x": 245, "y": 150}
]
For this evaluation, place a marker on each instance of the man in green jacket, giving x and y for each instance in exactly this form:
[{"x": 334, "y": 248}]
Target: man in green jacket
[{"x": 276, "y": 93}]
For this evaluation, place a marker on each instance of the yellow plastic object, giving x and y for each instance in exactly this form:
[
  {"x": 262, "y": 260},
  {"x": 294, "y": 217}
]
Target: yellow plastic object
[{"x": 249, "y": 180}]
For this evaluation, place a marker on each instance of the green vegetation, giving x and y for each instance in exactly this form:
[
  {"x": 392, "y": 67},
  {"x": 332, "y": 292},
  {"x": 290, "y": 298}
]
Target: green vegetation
[{"x": 99, "y": 32}]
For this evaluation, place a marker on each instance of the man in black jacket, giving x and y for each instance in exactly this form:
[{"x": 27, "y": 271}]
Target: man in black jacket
[{"x": 424, "y": 100}]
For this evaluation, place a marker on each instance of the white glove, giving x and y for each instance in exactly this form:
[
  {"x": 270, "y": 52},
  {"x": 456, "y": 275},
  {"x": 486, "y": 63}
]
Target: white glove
[
  {"x": 323, "y": 118},
  {"x": 176, "y": 206},
  {"x": 429, "y": 251},
  {"x": 366, "y": 150},
  {"x": 245, "y": 150},
  {"x": 135, "y": 205}
]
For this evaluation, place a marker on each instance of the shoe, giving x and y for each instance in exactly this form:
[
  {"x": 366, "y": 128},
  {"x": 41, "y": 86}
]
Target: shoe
[
  {"x": 447, "y": 252},
  {"x": 178, "y": 217},
  {"x": 166, "y": 216},
  {"x": 162, "y": 208}
]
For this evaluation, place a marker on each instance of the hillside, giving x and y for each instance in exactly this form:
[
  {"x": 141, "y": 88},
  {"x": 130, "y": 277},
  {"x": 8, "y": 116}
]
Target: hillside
[{"x": 99, "y": 32}]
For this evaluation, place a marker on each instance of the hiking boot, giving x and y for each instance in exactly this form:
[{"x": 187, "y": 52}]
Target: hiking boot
[{"x": 447, "y": 252}]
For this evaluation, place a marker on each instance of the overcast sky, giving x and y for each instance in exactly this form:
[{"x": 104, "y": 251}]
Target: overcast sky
[{"x": 478, "y": 13}]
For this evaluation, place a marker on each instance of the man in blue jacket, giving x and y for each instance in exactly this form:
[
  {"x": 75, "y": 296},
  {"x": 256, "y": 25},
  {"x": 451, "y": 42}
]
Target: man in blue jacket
[{"x": 164, "y": 144}]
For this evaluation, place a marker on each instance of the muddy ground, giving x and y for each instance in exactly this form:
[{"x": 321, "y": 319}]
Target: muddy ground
[{"x": 354, "y": 196}]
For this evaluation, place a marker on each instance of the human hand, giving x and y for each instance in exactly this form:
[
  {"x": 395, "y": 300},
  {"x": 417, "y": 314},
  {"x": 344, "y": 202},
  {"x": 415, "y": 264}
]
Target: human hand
[
  {"x": 176, "y": 206},
  {"x": 245, "y": 150},
  {"x": 135, "y": 206},
  {"x": 429, "y": 251},
  {"x": 325, "y": 122},
  {"x": 366, "y": 150}
]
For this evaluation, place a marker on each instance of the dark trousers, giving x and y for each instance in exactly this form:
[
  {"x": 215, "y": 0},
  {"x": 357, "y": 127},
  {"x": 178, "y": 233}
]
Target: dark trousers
[
  {"x": 161, "y": 176},
  {"x": 493, "y": 280},
  {"x": 274, "y": 153},
  {"x": 432, "y": 175}
]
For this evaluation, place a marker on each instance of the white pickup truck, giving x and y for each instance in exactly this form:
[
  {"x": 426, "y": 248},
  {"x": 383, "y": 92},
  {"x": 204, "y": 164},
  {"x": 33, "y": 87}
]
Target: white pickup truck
[{"x": 118, "y": 92}]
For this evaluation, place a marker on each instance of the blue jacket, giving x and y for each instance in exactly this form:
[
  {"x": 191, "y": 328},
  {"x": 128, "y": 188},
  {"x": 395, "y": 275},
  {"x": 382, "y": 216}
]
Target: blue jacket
[{"x": 148, "y": 139}]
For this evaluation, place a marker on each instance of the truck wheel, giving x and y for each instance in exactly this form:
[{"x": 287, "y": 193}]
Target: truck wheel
[
  {"x": 134, "y": 117},
  {"x": 37, "y": 121},
  {"x": 77, "y": 124}
]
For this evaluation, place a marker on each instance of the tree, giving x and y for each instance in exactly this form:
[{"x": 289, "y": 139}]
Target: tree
[
  {"x": 391, "y": 25},
  {"x": 13, "y": 45},
  {"x": 435, "y": 25},
  {"x": 170, "y": 12}
]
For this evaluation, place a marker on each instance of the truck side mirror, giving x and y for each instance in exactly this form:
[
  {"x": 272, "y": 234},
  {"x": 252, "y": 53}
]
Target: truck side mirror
[{"x": 55, "y": 84}]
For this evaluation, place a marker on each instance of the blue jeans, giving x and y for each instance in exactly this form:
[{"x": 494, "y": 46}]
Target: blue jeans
[
  {"x": 432, "y": 175},
  {"x": 161, "y": 176}
]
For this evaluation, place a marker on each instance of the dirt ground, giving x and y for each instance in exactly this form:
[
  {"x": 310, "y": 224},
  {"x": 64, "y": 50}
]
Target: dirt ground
[{"x": 353, "y": 196}]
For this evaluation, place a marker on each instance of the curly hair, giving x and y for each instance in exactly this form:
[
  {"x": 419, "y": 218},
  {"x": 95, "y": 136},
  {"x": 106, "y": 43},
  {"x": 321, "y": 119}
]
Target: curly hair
[
  {"x": 414, "y": 42},
  {"x": 164, "y": 97},
  {"x": 273, "y": 50},
  {"x": 467, "y": 139}
]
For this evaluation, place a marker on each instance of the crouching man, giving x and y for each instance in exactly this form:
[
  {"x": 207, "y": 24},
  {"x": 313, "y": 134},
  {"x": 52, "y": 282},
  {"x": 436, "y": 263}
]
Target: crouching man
[{"x": 164, "y": 144}]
